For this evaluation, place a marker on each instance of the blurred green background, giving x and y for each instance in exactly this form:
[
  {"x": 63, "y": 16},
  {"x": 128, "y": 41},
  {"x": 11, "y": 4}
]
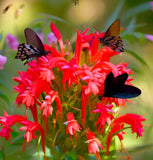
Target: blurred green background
[{"x": 136, "y": 19}]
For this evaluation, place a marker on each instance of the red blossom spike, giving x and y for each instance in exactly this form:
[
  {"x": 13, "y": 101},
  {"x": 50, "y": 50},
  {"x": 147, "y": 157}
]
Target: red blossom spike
[
  {"x": 59, "y": 37},
  {"x": 55, "y": 31},
  {"x": 30, "y": 128},
  {"x": 72, "y": 126},
  {"x": 93, "y": 144}
]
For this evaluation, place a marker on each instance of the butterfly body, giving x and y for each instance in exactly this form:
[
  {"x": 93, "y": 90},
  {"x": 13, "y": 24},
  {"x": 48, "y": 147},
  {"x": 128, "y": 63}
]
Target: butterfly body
[
  {"x": 112, "y": 38},
  {"x": 33, "y": 48},
  {"x": 115, "y": 87}
]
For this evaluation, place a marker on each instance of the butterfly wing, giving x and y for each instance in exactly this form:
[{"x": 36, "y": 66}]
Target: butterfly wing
[
  {"x": 33, "y": 39},
  {"x": 127, "y": 91},
  {"x": 120, "y": 80},
  {"x": 112, "y": 38},
  {"x": 114, "y": 29},
  {"x": 33, "y": 48},
  {"x": 108, "y": 87},
  {"x": 26, "y": 52},
  {"x": 115, "y": 87}
]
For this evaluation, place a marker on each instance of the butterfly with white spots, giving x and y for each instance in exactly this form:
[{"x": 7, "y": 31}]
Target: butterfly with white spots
[{"x": 33, "y": 48}]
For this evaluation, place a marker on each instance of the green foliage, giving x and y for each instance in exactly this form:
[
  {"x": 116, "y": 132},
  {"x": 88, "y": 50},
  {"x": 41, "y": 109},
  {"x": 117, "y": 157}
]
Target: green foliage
[
  {"x": 5, "y": 98},
  {"x": 1, "y": 35},
  {"x": 141, "y": 60}
]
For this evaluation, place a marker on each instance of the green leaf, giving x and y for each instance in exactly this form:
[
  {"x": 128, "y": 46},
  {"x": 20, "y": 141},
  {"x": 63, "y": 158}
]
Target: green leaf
[
  {"x": 1, "y": 35},
  {"x": 5, "y": 98},
  {"x": 72, "y": 155},
  {"x": 115, "y": 14},
  {"x": 142, "y": 147},
  {"x": 2, "y": 83},
  {"x": 49, "y": 16},
  {"x": 135, "y": 10},
  {"x": 1, "y": 155},
  {"x": 137, "y": 57},
  {"x": 131, "y": 25},
  {"x": 120, "y": 130}
]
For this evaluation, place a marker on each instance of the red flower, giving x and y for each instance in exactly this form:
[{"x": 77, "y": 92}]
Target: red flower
[
  {"x": 30, "y": 128},
  {"x": 55, "y": 31},
  {"x": 84, "y": 102},
  {"x": 94, "y": 144},
  {"x": 114, "y": 129},
  {"x": 70, "y": 73},
  {"x": 131, "y": 119},
  {"x": 7, "y": 121},
  {"x": 82, "y": 41},
  {"x": 59, "y": 37},
  {"x": 72, "y": 125},
  {"x": 93, "y": 77},
  {"x": 103, "y": 55},
  {"x": 47, "y": 106},
  {"x": 104, "y": 117}
]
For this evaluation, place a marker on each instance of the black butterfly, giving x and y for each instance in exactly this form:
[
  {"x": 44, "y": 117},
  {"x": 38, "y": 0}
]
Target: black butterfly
[
  {"x": 7, "y": 8},
  {"x": 33, "y": 48},
  {"x": 115, "y": 87},
  {"x": 112, "y": 37}
]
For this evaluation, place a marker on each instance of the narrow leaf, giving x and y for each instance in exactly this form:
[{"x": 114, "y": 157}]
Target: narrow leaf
[
  {"x": 135, "y": 10},
  {"x": 116, "y": 13},
  {"x": 48, "y": 16},
  {"x": 137, "y": 57},
  {"x": 2, "y": 83},
  {"x": 5, "y": 98},
  {"x": 1, "y": 35}
]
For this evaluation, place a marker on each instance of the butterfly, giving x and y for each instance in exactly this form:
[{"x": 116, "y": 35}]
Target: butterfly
[
  {"x": 112, "y": 38},
  {"x": 7, "y": 8},
  {"x": 115, "y": 87},
  {"x": 33, "y": 47}
]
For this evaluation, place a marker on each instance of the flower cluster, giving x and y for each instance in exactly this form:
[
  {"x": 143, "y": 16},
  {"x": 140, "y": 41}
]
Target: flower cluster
[{"x": 61, "y": 90}]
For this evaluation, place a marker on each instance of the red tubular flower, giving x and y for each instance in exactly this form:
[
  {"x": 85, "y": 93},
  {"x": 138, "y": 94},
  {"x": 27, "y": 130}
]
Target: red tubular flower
[
  {"x": 54, "y": 52},
  {"x": 59, "y": 37},
  {"x": 59, "y": 105},
  {"x": 30, "y": 128},
  {"x": 72, "y": 125},
  {"x": 55, "y": 31},
  {"x": 78, "y": 48},
  {"x": 103, "y": 55},
  {"x": 94, "y": 44},
  {"x": 47, "y": 106},
  {"x": 131, "y": 119},
  {"x": 93, "y": 77},
  {"x": 84, "y": 101},
  {"x": 104, "y": 117},
  {"x": 7, "y": 121},
  {"x": 82, "y": 41},
  {"x": 111, "y": 134},
  {"x": 70, "y": 73},
  {"x": 94, "y": 144}
]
